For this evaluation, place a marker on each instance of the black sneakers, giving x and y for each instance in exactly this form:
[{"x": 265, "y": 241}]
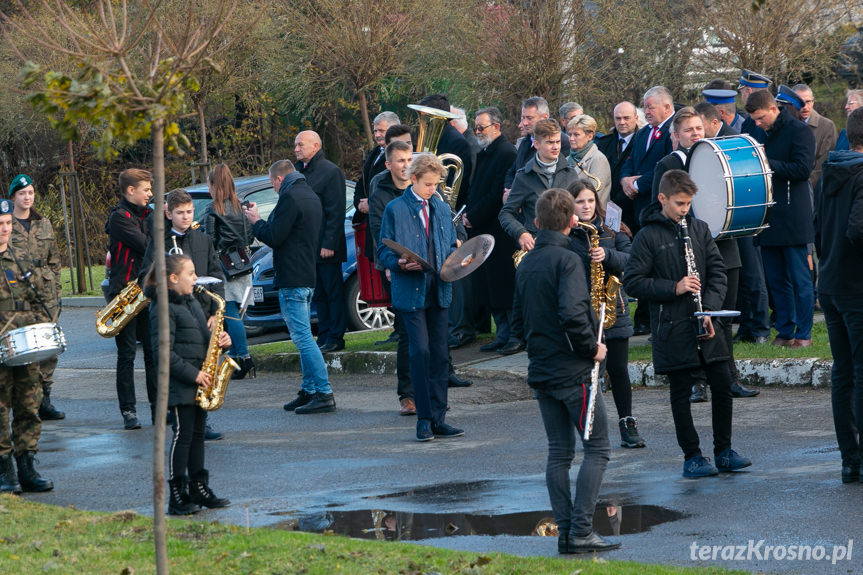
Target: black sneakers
[
  {"x": 629, "y": 436},
  {"x": 319, "y": 403}
]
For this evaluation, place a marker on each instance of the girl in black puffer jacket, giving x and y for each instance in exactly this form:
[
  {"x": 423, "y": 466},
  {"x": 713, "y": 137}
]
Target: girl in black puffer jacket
[
  {"x": 190, "y": 338},
  {"x": 613, "y": 252}
]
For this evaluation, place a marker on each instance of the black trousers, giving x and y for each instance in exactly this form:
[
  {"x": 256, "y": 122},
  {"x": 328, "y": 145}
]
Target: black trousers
[
  {"x": 617, "y": 364},
  {"x": 719, "y": 380},
  {"x": 187, "y": 446},
  {"x": 329, "y": 299},
  {"x": 403, "y": 357},
  {"x": 126, "y": 341}
]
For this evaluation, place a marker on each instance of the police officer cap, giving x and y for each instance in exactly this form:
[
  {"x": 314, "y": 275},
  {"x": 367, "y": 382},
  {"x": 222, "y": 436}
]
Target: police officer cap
[
  {"x": 5, "y": 206},
  {"x": 18, "y": 182},
  {"x": 753, "y": 80},
  {"x": 787, "y": 96},
  {"x": 719, "y": 96}
]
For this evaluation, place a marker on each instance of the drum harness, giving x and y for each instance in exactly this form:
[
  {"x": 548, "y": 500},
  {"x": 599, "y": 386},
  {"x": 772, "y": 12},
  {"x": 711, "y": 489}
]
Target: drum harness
[{"x": 28, "y": 277}]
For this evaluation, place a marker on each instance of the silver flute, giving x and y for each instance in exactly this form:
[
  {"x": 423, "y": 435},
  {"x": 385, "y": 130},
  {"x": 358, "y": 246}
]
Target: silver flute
[{"x": 594, "y": 381}]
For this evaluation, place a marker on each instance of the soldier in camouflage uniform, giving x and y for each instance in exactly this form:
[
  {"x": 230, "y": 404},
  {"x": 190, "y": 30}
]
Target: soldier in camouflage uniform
[
  {"x": 34, "y": 234},
  {"x": 20, "y": 391}
]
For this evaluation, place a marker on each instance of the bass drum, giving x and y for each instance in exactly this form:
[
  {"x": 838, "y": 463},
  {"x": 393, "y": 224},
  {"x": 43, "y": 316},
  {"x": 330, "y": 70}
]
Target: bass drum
[
  {"x": 735, "y": 185},
  {"x": 31, "y": 344}
]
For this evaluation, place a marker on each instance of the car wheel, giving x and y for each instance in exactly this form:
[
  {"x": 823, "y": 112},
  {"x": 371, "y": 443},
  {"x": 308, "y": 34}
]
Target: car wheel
[{"x": 360, "y": 315}]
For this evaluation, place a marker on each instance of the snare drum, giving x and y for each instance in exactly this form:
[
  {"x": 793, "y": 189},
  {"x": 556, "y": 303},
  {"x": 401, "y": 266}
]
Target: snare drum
[
  {"x": 735, "y": 187},
  {"x": 31, "y": 344}
]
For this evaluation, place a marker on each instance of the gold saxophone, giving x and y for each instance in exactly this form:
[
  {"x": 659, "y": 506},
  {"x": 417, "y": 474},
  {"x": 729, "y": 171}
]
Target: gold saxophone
[
  {"x": 111, "y": 319},
  {"x": 600, "y": 290},
  {"x": 212, "y": 398}
]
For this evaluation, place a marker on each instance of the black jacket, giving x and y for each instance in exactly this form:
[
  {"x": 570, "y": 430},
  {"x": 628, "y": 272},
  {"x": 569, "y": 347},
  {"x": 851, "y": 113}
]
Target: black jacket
[
  {"x": 526, "y": 151},
  {"x": 656, "y": 264},
  {"x": 231, "y": 230},
  {"x": 517, "y": 214},
  {"x": 616, "y": 246},
  {"x": 607, "y": 144},
  {"x": 383, "y": 190},
  {"x": 483, "y": 207},
  {"x": 293, "y": 231},
  {"x": 372, "y": 166},
  {"x": 790, "y": 151},
  {"x": 328, "y": 182},
  {"x": 189, "y": 340},
  {"x": 552, "y": 309},
  {"x": 128, "y": 235},
  {"x": 452, "y": 142},
  {"x": 839, "y": 224},
  {"x": 198, "y": 246}
]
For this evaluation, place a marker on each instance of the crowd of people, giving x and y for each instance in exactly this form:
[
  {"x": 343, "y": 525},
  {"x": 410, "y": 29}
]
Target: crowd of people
[{"x": 568, "y": 207}]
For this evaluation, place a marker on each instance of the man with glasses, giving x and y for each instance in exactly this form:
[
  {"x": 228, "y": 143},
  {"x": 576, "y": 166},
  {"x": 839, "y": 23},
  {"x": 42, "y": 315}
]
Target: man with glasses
[
  {"x": 854, "y": 99},
  {"x": 823, "y": 129},
  {"x": 496, "y": 277},
  {"x": 569, "y": 111},
  {"x": 532, "y": 110}
]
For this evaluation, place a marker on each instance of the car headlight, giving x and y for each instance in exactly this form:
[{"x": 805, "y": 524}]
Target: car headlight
[{"x": 256, "y": 269}]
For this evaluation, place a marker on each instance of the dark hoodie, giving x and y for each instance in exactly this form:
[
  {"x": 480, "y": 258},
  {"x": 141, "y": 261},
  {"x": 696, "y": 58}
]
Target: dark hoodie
[
  {"x": 382, "y": 191},
  {"x": 839, "y": 224},
  {"x": 128, "y": 234},
  {"x": 656, "y": 263}
]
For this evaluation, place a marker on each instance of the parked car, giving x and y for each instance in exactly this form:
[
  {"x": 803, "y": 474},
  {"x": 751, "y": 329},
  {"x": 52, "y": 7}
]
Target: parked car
[{"x": 264, "y": 315}]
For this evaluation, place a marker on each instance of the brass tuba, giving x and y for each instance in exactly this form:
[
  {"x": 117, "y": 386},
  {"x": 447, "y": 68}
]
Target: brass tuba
[
  {"x": 431, "y": 125},
  {"x": 212, "y": 398},
  {"x": 601, "y": 292},
  {"x": 111, "y": 319}
]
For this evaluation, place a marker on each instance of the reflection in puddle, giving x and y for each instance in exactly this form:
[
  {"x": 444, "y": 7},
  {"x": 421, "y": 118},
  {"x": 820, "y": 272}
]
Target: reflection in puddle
[{"x": 403, "y": 526}]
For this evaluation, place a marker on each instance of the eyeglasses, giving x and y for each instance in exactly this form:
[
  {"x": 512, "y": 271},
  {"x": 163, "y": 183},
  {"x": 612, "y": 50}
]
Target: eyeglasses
[{"x": 480, "y": 129}]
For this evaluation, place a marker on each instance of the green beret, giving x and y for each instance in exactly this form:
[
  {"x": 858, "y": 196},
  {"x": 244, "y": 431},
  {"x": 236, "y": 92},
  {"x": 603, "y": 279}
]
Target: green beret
[{"x": 20, "y": 181}]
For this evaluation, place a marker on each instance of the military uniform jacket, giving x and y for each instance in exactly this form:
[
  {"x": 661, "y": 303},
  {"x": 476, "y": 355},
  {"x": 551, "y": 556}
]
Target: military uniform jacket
[
  {"x": 40, "y": 244},
  {"x": 19, "y": 305}
]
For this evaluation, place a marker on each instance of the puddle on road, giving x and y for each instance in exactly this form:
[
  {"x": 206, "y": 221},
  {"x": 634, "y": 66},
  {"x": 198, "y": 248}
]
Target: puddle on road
[{"x": 381, "y": 524}]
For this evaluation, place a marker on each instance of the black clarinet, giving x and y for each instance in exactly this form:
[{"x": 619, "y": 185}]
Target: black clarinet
[{"x": 692, "y": 270}]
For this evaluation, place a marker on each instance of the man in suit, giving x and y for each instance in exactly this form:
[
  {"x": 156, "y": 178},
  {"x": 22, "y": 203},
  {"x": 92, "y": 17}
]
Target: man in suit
[
  {"x": 496, "y": 277},
  {"x": 328, "y": 182},
  {"x": 533, "y": 110},
  {"x": 651, "y": 144},
  {"x": 714, "y": 127},
  {"x": 373, "y": 165},
  {"x": 751, "y": 83},
  {"x": 823, "y": 129},
  {"x": 616, "y": 145},
  {"x": 790, "y": 151}
]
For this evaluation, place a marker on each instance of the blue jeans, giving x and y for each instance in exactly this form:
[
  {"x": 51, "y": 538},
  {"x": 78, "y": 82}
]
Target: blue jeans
[
  {"x": 295, "y": 305},
  {"x": 236, "y": 329},
  {"x": 843, "y": 315},
  {"x": 786, "y": 269},
  {"x": 563, "y": 412}
]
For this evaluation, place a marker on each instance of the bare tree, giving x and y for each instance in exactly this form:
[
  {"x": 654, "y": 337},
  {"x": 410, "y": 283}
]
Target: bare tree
[{"x": 133, "y": 66}]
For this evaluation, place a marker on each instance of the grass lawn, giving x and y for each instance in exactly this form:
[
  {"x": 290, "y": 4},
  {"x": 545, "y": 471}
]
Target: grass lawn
[
  {"x": 67, "y": 274},
  {"x": 38, "y": 538}
]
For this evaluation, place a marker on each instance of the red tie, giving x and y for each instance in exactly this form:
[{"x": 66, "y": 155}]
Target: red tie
[{"x": 426, "y": 216}]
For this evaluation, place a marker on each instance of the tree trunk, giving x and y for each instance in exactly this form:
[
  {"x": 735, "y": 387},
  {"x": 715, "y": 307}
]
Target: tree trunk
[
  {"x": 367, "y": 126},
  {"x": 203, "y": 126},
  {"x": 160, "y": 531},
  {"x": 78, "y": 224}
]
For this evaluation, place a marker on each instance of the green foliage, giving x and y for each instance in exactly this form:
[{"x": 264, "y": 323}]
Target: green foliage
[{"x": 95, "y": 97}]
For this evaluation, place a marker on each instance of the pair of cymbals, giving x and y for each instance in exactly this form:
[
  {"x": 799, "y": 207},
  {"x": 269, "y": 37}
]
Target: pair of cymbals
[{"x": 461, "y": 263}]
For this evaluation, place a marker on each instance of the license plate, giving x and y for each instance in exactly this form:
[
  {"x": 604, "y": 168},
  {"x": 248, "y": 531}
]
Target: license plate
[{"x": 258, "y": 293}]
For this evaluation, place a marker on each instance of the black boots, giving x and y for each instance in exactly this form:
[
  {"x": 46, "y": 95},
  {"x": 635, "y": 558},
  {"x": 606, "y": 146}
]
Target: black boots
[
  {"x": 201, "y": 494},
  {"x": 247, "y": 367},
  {"x": 46, "y": 410},
  {"x": 629, "y": 436},
  {"x": 179, "y": 502},
  {"x": 28, "y": 476},
  {"x": 8, "y": 479}
]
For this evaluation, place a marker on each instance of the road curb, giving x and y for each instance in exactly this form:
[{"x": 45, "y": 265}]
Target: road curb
[
  {"x": 797, "y": 372},
  {"x": 83, "y": 301}
]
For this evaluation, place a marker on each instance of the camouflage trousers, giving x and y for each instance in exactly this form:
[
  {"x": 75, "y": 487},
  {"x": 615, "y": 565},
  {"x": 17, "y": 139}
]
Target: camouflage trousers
[
  {"x": 20, "y": 396},
  {"x": 46, "y": 371}
]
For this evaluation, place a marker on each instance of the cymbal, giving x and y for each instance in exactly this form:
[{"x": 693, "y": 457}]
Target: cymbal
[
  {"x": 467, "y": 258},
  {"x": 403, "y": 252}
]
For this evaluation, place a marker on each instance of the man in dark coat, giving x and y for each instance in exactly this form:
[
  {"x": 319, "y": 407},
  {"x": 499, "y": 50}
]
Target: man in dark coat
[
  {"x": 657, "y": 271},
  {"x": 617, "y": 145},
  {"x": 328, "y": 182},
  {"x": 839, "y": 241},
  {"x": 533, "y": 110},
  {"x": 374, "y": 164},
  {"x": 292, "y": 230},
  {"x": 790, "y": 150},
  {"x": 496, "y": 277}
]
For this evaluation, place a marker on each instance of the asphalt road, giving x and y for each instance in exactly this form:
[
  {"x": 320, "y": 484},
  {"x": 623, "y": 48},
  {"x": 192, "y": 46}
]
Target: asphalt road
[{"x": 282, "y": 469}]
